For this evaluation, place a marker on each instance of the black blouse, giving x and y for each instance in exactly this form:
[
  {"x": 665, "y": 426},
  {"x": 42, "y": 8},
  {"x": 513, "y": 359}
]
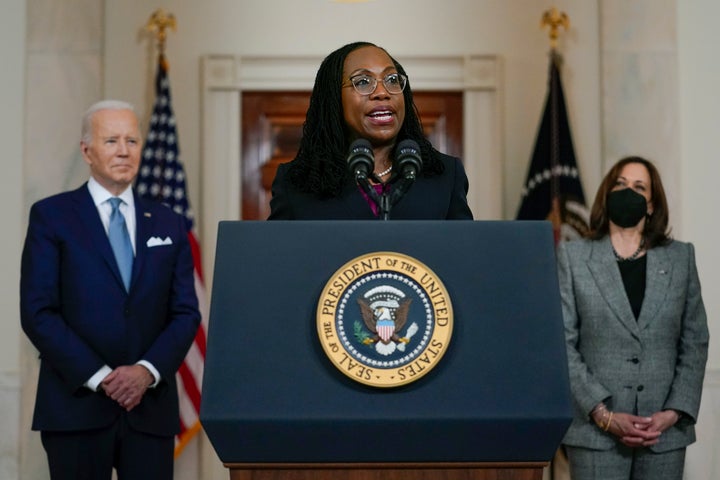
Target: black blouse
[{"x": 633, "y": 277}]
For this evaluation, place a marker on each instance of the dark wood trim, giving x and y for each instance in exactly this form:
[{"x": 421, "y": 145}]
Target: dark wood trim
[{"x": 387, "y": 471}]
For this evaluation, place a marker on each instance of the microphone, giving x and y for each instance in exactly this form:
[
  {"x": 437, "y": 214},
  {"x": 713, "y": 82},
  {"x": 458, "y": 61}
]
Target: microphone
[
  {"x": 361, "y": 160},
  {"x": 407, "y": 158}
]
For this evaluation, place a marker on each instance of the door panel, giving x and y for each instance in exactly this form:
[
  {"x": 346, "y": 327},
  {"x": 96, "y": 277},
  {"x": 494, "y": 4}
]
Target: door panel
[{"x": 272, "y": 127}]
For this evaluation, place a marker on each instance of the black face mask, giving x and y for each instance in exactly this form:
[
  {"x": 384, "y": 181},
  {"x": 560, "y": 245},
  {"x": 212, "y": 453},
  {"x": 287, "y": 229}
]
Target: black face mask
[{"x": 626, "y": 207}]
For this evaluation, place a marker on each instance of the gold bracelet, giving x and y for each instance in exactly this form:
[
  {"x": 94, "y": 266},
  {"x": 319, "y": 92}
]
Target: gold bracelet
[
  {"x": 607, "y": 426},
  {"x": 602, "y": 410}
]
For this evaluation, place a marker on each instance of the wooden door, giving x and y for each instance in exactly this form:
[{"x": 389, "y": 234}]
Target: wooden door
[{"x": 272, "y": 128}]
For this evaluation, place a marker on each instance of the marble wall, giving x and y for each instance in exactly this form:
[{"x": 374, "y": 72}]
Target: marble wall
[
  {"x": 64, "y": 76},
  {"x": 9, "y": 425},
  {"x": 64, "y": 62},
  {"x": 703, "y": 457},
  {"x": 12, "y": 80},
  {"x": 640, "y": 109}
]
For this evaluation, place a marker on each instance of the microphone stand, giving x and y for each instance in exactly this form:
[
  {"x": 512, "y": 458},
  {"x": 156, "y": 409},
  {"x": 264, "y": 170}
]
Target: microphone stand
[
  {"x": 389, "y": 198},
  {"x": 386, "y": 199},
  {"x": 385, "y": 205},
  {"x": 364, "y": 183}
]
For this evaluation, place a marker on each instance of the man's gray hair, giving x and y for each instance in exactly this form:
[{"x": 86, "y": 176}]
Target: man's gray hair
[{"x": 86, "y": 132}]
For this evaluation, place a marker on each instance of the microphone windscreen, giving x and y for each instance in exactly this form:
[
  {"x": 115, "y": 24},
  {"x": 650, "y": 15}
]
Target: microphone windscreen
[
  {"x": 361, "y": 159},
  {"x": 407, "y": 156},
  {"x": 360, "y": 146}
]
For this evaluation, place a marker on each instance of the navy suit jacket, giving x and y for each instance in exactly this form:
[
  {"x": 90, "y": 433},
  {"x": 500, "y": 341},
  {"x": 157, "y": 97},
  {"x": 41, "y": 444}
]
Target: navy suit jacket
[
  {"x": 430, "y": 198},
  {"x": 75, "y": 310}
]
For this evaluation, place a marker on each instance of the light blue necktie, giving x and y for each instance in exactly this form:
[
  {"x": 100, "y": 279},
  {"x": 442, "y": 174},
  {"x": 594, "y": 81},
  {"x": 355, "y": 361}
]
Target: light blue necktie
[{"x": 120, "y": 241}]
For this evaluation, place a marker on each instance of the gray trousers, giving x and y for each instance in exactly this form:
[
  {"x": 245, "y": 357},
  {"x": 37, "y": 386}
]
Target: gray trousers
[{"x": 625, "y": 463}]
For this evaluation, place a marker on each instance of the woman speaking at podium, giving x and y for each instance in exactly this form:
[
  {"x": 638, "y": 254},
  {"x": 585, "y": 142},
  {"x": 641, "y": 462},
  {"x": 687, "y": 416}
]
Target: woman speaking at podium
[
  {"x": 363, "y": 154},
  {"x": 636, "y": 333}
]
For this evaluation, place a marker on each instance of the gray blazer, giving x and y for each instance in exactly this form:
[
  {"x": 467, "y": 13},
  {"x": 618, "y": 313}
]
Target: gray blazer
[{"x": 641, "y": 366}]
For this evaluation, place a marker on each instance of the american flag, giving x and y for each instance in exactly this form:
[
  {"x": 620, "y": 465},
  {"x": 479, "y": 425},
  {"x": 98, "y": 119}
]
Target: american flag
[{"x": 162, "y": 178}]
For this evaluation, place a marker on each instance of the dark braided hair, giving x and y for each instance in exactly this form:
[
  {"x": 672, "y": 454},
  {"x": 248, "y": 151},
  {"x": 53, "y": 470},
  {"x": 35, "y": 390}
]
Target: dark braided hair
[{"x": 320, "y": 165}]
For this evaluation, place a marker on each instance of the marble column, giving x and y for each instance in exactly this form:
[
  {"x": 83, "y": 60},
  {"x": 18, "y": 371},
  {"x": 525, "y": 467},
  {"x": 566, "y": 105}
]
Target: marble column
[
  {"x": 64, "y": 60},
  {"x": 639, "y": 78},
  {"x": 641, "y": 116}
]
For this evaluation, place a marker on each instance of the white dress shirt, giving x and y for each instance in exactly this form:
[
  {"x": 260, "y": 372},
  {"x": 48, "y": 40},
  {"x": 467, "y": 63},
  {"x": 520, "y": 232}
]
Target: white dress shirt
[{"x": 100, "y": 197}]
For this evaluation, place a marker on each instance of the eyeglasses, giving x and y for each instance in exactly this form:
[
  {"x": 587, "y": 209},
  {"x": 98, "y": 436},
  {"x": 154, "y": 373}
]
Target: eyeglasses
[{"x": 366, "y": 84}]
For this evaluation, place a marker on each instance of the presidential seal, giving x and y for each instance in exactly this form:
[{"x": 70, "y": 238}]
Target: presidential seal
[{"x": 384, "y": 319}]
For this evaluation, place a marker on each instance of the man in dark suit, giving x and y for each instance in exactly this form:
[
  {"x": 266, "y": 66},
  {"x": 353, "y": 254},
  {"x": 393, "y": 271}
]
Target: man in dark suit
[{"x": 107, "y": 297}]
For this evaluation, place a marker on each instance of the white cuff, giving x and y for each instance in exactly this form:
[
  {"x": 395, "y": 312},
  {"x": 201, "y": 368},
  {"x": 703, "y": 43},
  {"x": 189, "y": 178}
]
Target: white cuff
[
  {"x": 153, "y": 371},
  {"x": 96, "y": 379}
]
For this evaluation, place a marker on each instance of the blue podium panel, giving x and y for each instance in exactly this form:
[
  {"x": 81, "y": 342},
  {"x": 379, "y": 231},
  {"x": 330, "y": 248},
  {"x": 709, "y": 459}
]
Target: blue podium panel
[{"x": 499, "y": 394}]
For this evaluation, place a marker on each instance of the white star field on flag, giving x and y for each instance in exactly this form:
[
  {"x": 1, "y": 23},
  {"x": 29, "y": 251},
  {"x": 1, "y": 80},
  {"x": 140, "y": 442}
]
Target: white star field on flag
[{"x": 162, "y": 176}]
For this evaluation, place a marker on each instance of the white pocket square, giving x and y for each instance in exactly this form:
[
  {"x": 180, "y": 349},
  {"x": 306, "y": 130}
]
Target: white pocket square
[{"x": 157, "y": 241}]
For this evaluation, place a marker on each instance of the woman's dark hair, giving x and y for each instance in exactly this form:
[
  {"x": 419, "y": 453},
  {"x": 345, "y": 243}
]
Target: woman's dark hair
[
  {"x": 656, "y": 231},
  {"x": 320, "y": 166}
]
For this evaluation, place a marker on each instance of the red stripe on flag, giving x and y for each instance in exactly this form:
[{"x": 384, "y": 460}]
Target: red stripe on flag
[
  {"x": 191, "y": 388},
  {"x": 195, "y": 247}
]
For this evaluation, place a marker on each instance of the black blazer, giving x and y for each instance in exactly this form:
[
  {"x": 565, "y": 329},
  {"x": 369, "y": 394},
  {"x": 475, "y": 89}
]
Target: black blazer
[{"x": 430, "y": 198}]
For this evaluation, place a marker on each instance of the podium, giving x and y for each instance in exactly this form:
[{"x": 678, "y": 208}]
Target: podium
[{"x": 495, "y": 406}]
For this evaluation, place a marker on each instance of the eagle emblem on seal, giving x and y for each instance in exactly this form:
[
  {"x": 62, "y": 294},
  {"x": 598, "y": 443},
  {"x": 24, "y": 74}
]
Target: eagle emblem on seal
[{"x": 384, "y": 311}]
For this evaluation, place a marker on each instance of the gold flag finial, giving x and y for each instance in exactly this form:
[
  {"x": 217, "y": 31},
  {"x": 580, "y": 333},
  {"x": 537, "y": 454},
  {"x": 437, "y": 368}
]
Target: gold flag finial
[
  {"x": 554, "y": 19},
  {"x": 158, "y": 23}
]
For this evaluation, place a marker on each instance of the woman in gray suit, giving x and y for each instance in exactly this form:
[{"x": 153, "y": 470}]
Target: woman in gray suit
[{"x": 636, "y": 334}]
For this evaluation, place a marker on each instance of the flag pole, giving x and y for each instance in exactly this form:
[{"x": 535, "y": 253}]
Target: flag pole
[
  {"x": 158, "y": 24},
  {"x": 162, "y": 179},
  {"x": 554, "y": 19}
]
